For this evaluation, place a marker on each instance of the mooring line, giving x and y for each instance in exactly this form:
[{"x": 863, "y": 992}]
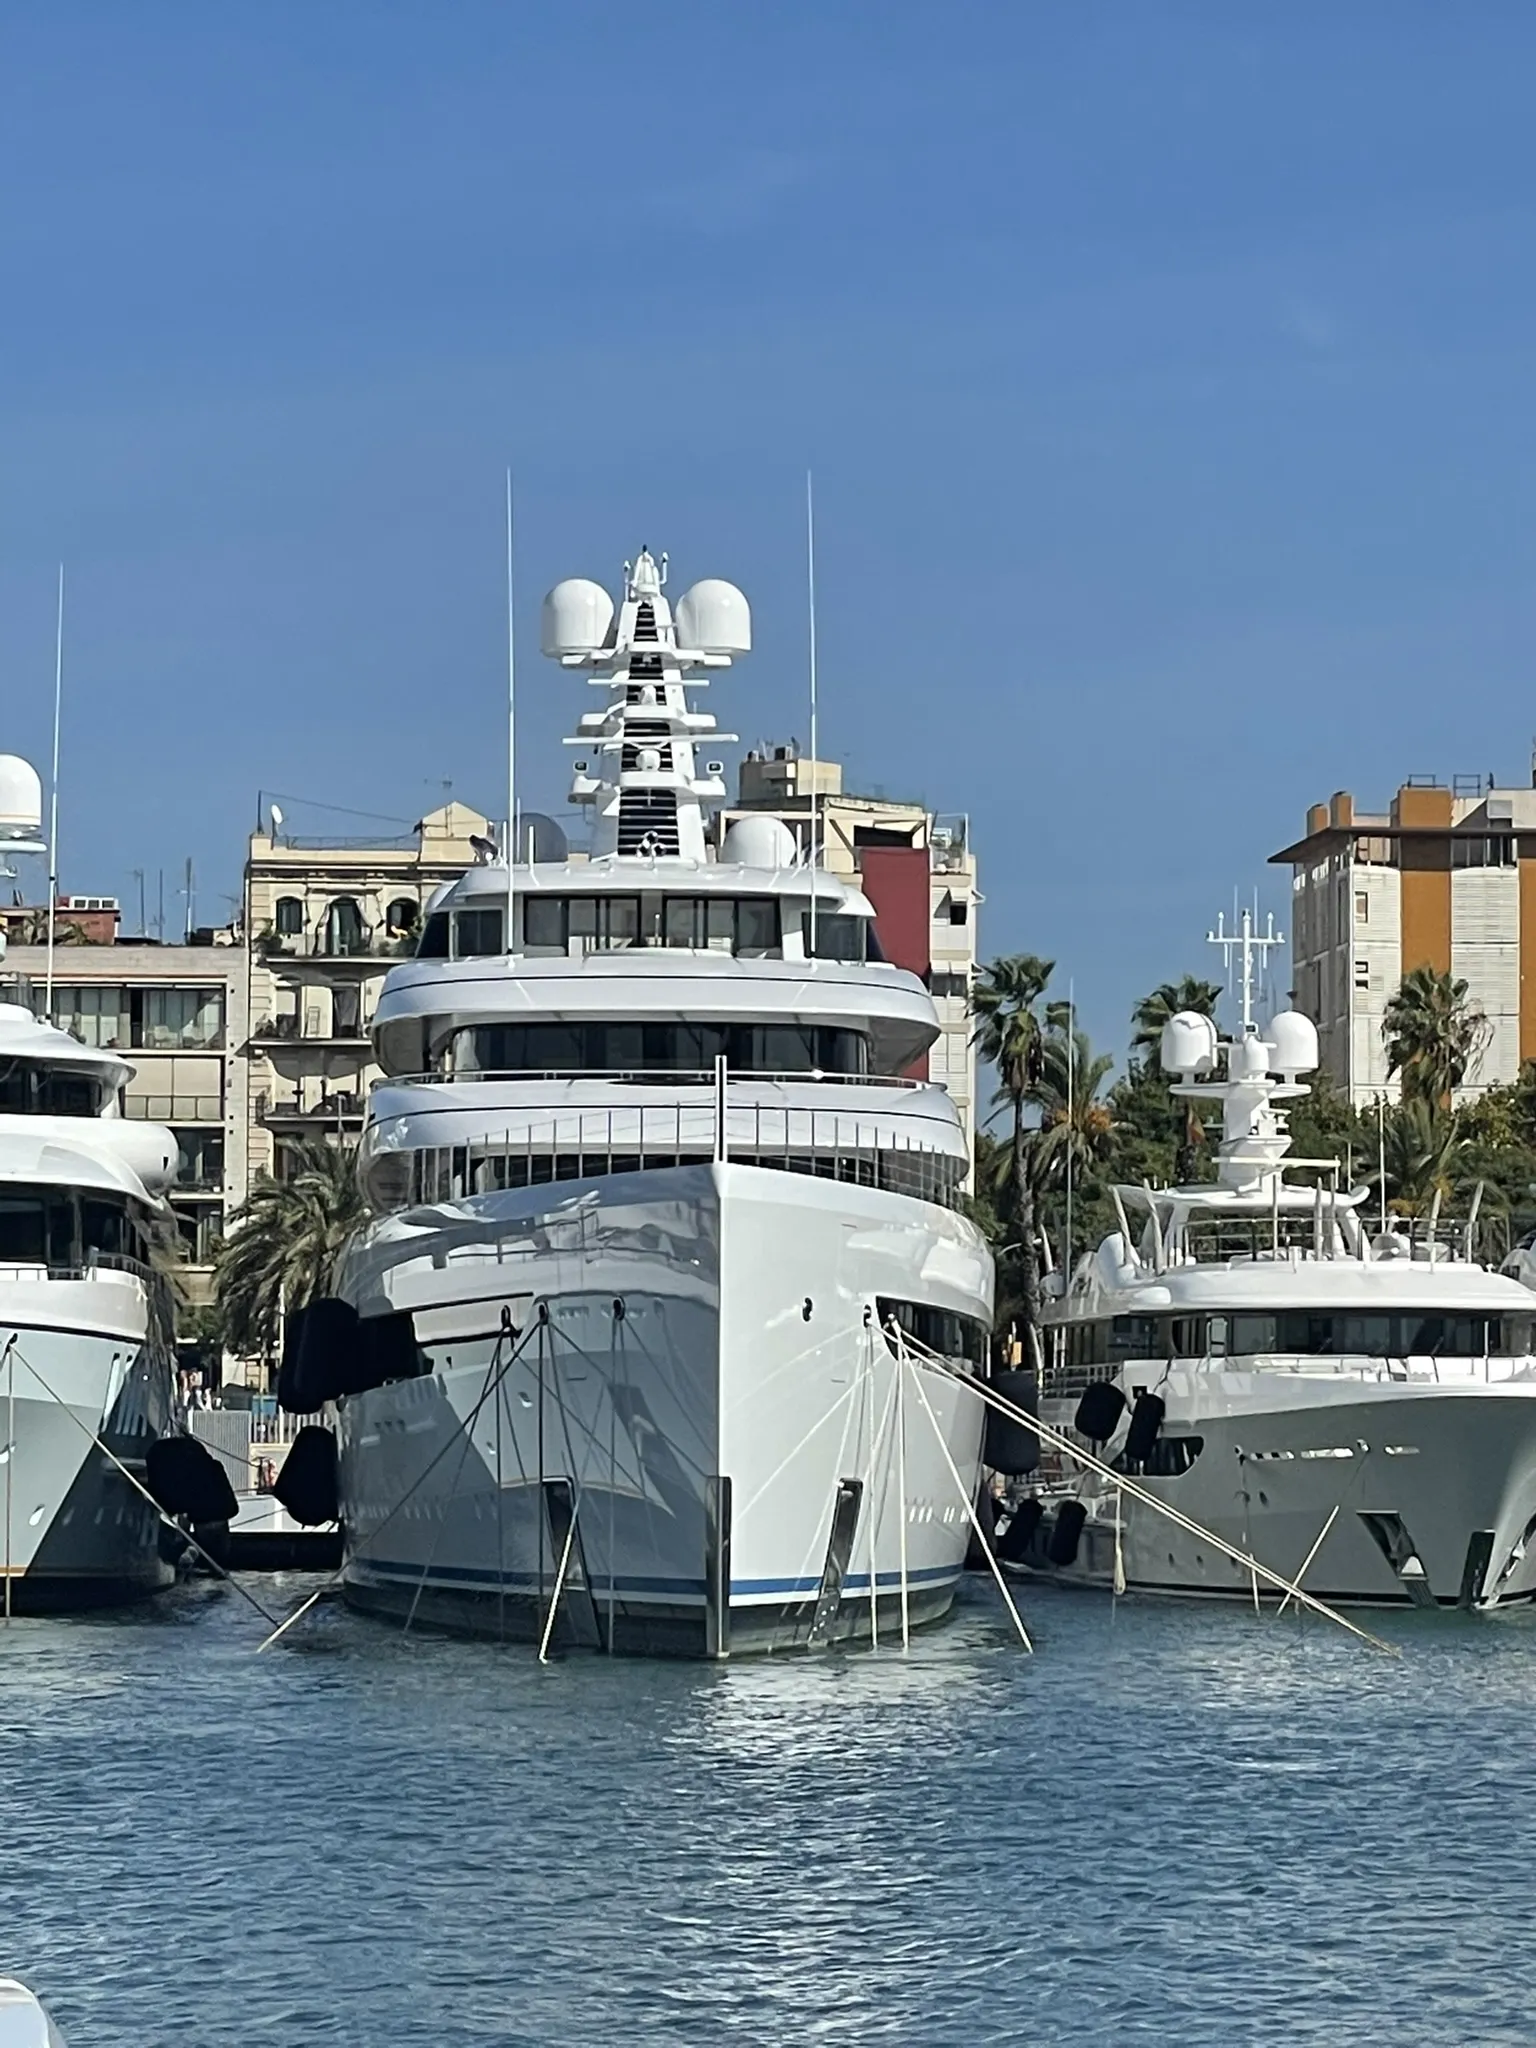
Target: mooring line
[
  {"x": 1057, "y": 1441},
  {"x": 134, "y": 1480}
]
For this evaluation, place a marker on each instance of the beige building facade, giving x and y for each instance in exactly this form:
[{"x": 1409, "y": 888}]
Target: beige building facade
[
  {"x": 323, "y": 923},
  {"x": 1444, "y": 878}
]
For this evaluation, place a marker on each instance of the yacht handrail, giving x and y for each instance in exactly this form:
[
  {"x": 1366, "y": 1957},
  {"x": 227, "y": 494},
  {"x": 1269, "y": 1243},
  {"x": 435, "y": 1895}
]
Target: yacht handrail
[
  {"x": 693, "y": 1077},
  {"x": 90, "y": 1269}
]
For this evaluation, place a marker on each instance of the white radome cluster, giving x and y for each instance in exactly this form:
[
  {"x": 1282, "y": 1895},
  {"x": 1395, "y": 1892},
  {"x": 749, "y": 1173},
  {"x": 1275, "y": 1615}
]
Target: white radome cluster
[
  {"x": 1190, "y": 1044},
  {"x": 577, "y": 619}
]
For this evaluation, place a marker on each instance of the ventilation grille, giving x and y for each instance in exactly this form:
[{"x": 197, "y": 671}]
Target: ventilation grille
[
  {"x": 648, "y": 821},
  {"x": 645, "y": 624},
  {"x": 645, "y": 667}
]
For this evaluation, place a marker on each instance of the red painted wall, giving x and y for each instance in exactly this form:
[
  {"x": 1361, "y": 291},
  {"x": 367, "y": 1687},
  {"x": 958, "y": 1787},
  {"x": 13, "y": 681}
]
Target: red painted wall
[{"x": 895, "y": 879}]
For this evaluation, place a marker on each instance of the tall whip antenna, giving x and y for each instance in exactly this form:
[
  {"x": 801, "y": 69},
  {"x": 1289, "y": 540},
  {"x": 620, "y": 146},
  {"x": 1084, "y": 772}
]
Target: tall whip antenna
[
  {"x": 510, "y": 846},
  {"x": 53, "y": 800},
  {"x": 810, "y": 586}
]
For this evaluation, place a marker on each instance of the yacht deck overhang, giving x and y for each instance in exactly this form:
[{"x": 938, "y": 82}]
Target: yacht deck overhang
[{"x": 425, "y": 1001}]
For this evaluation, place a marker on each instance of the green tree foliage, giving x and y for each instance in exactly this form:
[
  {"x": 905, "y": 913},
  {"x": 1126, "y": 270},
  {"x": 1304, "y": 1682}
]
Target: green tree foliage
[
  {"x": 1434, "y": 1035},
  {"x": 1009, "y": 1036},
  {"x": 284, "y": 1248},
  {"x": 1167, "y": 1000}
]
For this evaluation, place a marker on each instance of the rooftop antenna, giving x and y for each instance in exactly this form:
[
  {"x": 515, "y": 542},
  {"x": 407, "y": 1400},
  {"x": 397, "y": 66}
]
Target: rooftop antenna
[
  {"x": 810, "y": 586},
  {"x": 53, "y": 801},
  {"x": 1245, "y": 943},
  {"x": 510, "y": 838}
]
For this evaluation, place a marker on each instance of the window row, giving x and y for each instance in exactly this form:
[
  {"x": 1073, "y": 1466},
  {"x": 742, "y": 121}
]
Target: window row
[
  {"x": 63, "y": 1228},
  {"x": 1305, "y": 1333},
  {"x": 153, "y": 1019},
  {"x": 748, "y": 926},
  {"x": 341, "y": 928},
  {"x": 27, "y": 1089},
  {"x": 658, "y": 1048}
]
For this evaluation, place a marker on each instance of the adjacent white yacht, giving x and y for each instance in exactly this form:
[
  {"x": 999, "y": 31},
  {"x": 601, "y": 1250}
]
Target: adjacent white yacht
[
  {"x": 654, "y": 1197},
  {"x": 87, "y": 1345},
  {"x": 1359, "y": 1405}
]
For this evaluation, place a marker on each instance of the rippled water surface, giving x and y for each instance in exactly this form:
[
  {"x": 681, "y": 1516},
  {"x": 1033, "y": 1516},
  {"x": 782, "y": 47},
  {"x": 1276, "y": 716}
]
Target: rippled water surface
[{"x": 1171, "y": 1825}]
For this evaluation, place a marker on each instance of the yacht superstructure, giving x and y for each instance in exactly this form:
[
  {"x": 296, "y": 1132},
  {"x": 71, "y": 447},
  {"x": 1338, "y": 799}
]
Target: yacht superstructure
[
  {"x": 1359, "y": 1405},
  {"x": 87, "y": 1347},
  {"x": 654, "y": 1188}
]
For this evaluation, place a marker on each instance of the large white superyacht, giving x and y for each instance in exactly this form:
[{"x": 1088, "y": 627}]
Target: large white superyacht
[
  {"x": 656, "y": 1210},
  {"x": 87, "y": 1349},
  {"x": 1349, "y": 1402}
]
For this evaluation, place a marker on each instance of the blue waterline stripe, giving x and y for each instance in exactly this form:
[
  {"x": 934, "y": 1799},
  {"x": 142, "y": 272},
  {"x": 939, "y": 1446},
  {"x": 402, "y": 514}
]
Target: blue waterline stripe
[
  {"x": 479, "y": 1575},
  {"x": 852, "y": 1581}
]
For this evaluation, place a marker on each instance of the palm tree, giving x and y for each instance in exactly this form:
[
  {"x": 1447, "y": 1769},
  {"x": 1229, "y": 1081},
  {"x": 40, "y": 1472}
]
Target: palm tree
[
  {"x": 1147, "y": 1021},
  {"x": 1425, "y": 1147},
  {"x": 1073, "y": 1117},
  {"x": 1165, "y": 1001},
  {"x": 1434, "y": 1035},
  {"x": 285, "y": 1245},
  {"x": 1009, "y": 1036}
]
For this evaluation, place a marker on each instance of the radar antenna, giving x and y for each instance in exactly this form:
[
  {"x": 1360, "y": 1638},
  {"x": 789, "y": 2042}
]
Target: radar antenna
[{"x": 1246, "y": 943}]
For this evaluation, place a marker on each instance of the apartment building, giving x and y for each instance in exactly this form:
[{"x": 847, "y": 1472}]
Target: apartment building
[
  {"x": 324, "y": 920},
  {"x": 918, "y": 871},
  {"x": 1445, "y": 877}
]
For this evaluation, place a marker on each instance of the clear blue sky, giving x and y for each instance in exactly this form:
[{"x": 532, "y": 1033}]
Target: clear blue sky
[{"x": 1166, "y": 371}]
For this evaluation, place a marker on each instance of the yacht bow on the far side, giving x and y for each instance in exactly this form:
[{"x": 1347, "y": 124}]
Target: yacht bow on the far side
[{"x": 1353, "y": 1404}]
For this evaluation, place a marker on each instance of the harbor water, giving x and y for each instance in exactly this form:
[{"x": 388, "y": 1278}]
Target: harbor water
[{"x": 1171, "y": 1825}]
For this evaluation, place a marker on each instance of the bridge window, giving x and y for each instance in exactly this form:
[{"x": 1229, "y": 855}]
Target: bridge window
[
  {"x": 837, "y": 937},
  {"x": 627, "y": 1047},
  {"x": 30, "y": 1090},
  {"x": 478, "y": 933},
  {"x": 747, "y": 925}
]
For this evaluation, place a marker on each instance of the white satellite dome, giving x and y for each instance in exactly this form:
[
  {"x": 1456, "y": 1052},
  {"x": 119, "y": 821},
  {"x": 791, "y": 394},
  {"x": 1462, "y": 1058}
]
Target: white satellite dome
[
  {"x": 575, "y": 617},
  {"x": 714, "y": 617},
  {"x": 1188, "y": 1044},
  {"x": 21, "y": 799},
  {"x": 763, "y": 842},
  {"x": 1293, "y": 1044}
]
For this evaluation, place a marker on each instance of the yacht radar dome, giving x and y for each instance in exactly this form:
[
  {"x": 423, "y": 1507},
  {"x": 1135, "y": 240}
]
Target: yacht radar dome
[
  {"x": 576, "y": 618},
  {"x": 21, "y": 806},
  {"x": 1293, "y": 1044},
  {"x": 1188, "y": 1045},
  {"x": 714, "y": 617},
  {"x": 762, "y": 842}
]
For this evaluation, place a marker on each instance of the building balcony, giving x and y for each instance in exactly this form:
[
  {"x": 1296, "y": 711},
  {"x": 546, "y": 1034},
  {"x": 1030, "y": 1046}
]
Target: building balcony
[
  {"x": 326, "y": 949},
  {"x": 291, "y": 1031},
  {"x": 341, "y": 1111}
]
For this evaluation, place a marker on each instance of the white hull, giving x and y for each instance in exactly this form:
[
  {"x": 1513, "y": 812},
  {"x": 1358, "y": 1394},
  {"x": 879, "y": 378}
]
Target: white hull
[
  {"x": 1444, "y": 1474},
  {"x": 74, "y": 1530},
  {"x": 703, "y": 1435}
]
